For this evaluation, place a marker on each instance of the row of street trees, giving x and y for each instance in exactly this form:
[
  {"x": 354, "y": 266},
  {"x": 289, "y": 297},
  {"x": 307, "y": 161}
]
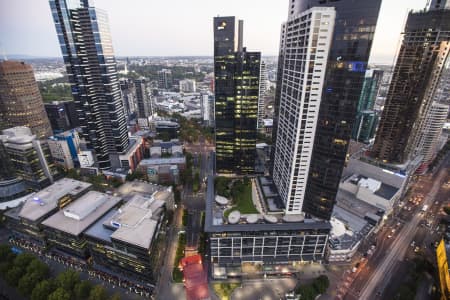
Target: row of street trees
[{"x": 32, "y": 279}]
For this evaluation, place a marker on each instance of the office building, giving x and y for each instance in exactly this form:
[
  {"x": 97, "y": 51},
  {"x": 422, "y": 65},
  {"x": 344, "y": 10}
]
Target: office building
[
  {"x": 126, "y": 239},
  {"x": 135, "y": 153},
  {"x": 144, "y": 105},
  {"x": 165, "y": 79},
  {"x": 62, "y": 115},
  {"x": 64, "y": 229},
  {"x": 422, "y": 59},
  {"x": 187, "y": 86},
  {"x": 342, "y": 84},
  {"x": 263, "y": 243},
  {"x": 86, "y": 46},
  {"x": 128, "y": 97},
  {"x": 60, "y": 152},
  {"x": 442, "y": 257},
  {"x": 30, "y": 157},
  {"x": 300, "y": 103},
  {"x": 236, "y": 99},
  {"x": 365, "y": 126},
  {"x": 262, "y": 93},
  {"x": 25, "y": 221},
  {"x": 20, "y": 100},
  {"x": 11, "y": 186}
]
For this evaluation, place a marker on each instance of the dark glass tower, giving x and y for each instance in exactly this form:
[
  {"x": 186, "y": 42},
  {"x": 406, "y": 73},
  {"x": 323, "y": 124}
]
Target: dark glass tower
[
  {"x": 85, "y": 41},
  {"x": 366, "y": 118},
  {"x": 236, "y": 98},
  {"x": 347, "y": 63},
  {"x": 426, "y": 44}
]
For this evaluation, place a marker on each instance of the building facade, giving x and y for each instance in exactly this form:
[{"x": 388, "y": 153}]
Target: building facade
[
  {"x": 236, "y": 99},
  {"x": 144, "y": 107},
  {"x": 62, "y": 115},
  {"x": 420, "y": 63},
  {"x": 20, "y": 99},
  {"x": 165, "y": 80},
  {"x": 31, "y": 158},
  {"x": 345, "y": 71},
  {"x": 86, "y": 47},
  {"x": 304, "y": 62},
  {"x": 262, "y": 92}
]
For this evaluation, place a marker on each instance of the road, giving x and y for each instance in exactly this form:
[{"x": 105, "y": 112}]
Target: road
[{"x": 381, "y": 274}]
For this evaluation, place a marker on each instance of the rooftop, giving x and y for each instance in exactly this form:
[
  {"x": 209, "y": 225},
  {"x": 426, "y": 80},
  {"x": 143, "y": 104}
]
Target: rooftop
[
  {"x": 163, "y": 161},
  {"x": 46, "y": 200},
  {"x": 137, "y": 220},
  {"x": 83, "y": 212}
]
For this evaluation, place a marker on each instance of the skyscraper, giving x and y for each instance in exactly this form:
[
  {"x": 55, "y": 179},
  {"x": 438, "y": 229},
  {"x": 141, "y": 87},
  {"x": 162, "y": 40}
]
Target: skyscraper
[
  {"x": 262, "y": 93},
  {"x": 366, "y": 118},
  {"x": 144, "y": 108},
  {"x": 20, "y": 100},
  {"x": 85, "y": 41},
  {"x": 62, "y": 115},
  {"x": 236, "y": 98},
  {"x": 315, "y": 180},
  {"x": 303, "y": 75},
  {"x": 418, "y": 71}
]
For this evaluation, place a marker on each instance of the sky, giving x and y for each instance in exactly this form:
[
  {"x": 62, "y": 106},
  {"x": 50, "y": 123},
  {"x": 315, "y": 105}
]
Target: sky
[{"x": 179, "y": 27}]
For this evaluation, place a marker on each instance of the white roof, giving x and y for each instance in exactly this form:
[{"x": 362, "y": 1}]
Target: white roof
[
  {"x": 369, "y": 183},
  {"x": 44, "y": 201},
  {"x": 82, "y": 213},
  {"x": 134, "y": 221}
]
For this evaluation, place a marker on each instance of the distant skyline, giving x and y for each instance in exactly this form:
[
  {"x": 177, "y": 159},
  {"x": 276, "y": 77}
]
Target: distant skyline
[{"x": 179, "y": 27}]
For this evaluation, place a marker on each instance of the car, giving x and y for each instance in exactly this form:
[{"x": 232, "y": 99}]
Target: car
[
  {"x": 409, "y": 208},
  {"x": 389, "y": 236},
  {"x": 417, "y": 249},
  {"x": 393, "y": 230},
  {"x": 413, "y": 243}
]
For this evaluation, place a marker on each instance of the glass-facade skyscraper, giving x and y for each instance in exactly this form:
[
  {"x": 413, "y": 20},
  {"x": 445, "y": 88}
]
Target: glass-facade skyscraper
[
  {"x": 236, "y": 74},
  {"x": 86, "y": 46},
  {"x": 415, "y": 82},
  {"x": 345, "y": 71}
]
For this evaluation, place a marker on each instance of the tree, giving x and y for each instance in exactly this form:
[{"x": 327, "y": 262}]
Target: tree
[
  {"x": 82, "y": 290},
  {"x": 98, "y": 293},
  {"x": 39, "y": 269},
  {"x": 42, "y": 290},
  {"x": 59, "y": 294},
  {"x": 321, "y": 284},
  {"x": 68, "y": 280},
  {"x": 307, "y": 292},
  {"x": 27, "y": 283},
  {"x": 5, "y": 267},
  {"x": 13, "y": 275},
  {"x": 23, "y": 260}
]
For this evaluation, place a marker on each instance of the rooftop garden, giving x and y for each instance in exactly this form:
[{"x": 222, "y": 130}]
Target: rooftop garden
[{"x": 240, "y": 192}]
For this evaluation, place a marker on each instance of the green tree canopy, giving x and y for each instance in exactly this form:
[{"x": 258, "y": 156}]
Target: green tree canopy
[
  {"x": 82, "y": 290},
  {"x": 59, "y": 294},
  {"x": 13, "y": 276},
  {"x": 98, "y": 293},
  {"x": 42, "y": 290},
  {"x": 68, "y": 280}
]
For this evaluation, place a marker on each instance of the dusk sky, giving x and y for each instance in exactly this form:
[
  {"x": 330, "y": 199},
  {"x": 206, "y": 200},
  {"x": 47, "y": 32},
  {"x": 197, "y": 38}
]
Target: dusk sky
[{"x": 179, "y": 27}]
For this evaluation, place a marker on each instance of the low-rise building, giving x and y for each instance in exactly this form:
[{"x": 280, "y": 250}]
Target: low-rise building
[
  {"x": 30, "y": 157},
  {"x": 262, "y": 243},
  {"x": 25, "y": 221},
  {"x": 64, "y": 229},
  {"x": 134, "y": 155},
  {"x": 125, "y": 239},
  {"x": 163, "y": 170}
]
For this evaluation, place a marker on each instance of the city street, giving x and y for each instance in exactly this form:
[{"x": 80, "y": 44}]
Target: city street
[{"x": 393, "y": 241}]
